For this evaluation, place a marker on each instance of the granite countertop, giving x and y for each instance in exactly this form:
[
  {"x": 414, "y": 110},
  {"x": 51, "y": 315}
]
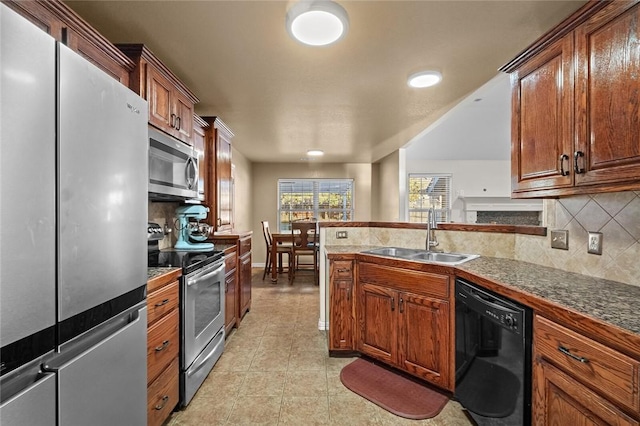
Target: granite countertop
[
  {"x": 156, "y": 272},
  {"x": 612, "y": 302}
]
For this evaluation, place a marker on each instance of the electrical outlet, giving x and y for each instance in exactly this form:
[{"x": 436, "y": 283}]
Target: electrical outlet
[
  {"x": 560, "y": 239},
  {"x": 594, "y": 246},
  {"x": 341, "y": 234}
]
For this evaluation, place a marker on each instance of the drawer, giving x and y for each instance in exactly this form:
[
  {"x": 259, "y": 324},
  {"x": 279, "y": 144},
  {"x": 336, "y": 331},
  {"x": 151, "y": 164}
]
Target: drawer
[
  {"x": 162, "y": 395},
  {"x": 162, "y": 301},
  {"x": 230, "y": 262},
  {"x": 162, "y": 344},
  {"x": 605, "y": 370},
  {"x": 425, "y": 283},
  {"x": 245, "y": 246},
  {"x": 341, "y": 270}
]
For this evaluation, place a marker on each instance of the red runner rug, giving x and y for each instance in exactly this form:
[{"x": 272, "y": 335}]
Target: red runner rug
[{"x": 395, "y": 393}]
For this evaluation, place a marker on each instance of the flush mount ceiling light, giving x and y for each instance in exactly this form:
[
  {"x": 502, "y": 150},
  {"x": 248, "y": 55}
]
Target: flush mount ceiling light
[
  {"x": 424, "y": 79},
  {"x": 315, "y": 153},
  {"x": 317, "y": 22}
]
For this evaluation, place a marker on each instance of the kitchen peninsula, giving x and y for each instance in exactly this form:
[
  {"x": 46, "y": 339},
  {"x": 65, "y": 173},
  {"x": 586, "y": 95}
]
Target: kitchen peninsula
[{"x": 586, "y": 333}]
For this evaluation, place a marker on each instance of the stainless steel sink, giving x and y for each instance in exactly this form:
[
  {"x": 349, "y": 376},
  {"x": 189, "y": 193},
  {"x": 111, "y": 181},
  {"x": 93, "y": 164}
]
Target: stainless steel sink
[
  {"x": 423, "y": 255},
  {"x": 393, "y": 251}
]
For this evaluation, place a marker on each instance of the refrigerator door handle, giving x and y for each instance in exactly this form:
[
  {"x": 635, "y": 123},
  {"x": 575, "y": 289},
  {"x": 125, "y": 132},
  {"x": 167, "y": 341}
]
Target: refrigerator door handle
[{"x": 85, "y": 342}]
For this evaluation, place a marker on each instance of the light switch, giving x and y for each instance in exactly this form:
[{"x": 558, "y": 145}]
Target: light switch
[{"x": 560, "y": 239}]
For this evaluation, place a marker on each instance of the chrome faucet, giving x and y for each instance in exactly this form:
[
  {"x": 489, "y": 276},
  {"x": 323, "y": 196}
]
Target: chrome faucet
[{"x": 431, "y": 241}]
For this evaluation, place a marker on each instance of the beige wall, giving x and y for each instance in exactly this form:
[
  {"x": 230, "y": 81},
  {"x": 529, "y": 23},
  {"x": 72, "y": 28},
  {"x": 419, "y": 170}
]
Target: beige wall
[
  {"x": 388, "y": 188},
  {"x": 264, "y": 192},
  {"x": 242, "y": 180}
]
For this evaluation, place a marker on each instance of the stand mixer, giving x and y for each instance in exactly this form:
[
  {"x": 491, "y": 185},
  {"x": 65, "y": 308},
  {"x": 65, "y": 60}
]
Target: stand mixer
[{"x": 185, "y": 233}]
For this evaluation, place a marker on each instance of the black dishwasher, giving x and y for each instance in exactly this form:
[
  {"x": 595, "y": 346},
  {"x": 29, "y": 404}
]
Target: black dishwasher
[{"x": 493, "y": 356}]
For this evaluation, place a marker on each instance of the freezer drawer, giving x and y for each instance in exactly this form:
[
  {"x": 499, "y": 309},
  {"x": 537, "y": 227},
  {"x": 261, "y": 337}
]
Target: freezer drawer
[
  {"x": 34, "y": 404},
  {"x": 105, "y": 381}
]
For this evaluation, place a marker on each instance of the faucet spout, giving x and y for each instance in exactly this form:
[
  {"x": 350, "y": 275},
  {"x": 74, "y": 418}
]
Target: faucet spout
[{"x": 431, "y": 240}]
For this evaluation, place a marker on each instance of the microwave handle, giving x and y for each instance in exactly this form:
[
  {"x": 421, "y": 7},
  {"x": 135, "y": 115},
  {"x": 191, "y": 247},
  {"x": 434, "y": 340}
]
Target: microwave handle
[{"x": 191, "y": 172}]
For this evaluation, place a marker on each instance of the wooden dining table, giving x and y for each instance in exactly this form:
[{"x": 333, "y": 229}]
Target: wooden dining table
[{"x": 278, "y": 239}]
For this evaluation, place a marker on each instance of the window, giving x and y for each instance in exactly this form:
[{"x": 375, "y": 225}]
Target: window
[
  {"x": 324, "y": 199},
  {"x": 427, "y": 191}
]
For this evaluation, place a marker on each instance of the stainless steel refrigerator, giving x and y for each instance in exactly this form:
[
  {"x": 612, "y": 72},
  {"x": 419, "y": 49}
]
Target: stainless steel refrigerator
[{"x": 73, "y": 214}]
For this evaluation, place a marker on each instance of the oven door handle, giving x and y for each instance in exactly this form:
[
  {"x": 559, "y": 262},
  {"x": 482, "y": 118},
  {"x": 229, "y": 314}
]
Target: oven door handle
[{"x": 204, "y": 275}]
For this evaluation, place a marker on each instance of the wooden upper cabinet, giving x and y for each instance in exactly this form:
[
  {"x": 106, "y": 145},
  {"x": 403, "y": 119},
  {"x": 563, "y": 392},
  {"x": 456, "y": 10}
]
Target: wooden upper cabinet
[
  {"x": 63, "y": 24},
  {"x": 608, "y": 96},
  {"x": 219, "y": 192},
  {"x": 542, "y": 124},
  {"x": 199, "y": 128},
  {"x": 171, "y": 103},
  {"x": 575, "y": 101}
]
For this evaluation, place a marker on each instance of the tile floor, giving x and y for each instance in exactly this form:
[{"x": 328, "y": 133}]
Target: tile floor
[{"x": 275, "y": 370}]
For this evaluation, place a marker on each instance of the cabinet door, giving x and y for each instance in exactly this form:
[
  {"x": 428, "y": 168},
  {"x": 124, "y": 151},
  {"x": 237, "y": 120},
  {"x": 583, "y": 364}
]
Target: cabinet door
[
  {"x": 378, "y": 322},
  {"x": 560, "y": 400},
  {"x": 245, "y": 285},
  {"x": 230, "y": 301},
  {"x": 423, "y": 338},
  {"x": 608, "y": 95},
  {"x": 159, "y": 95},
  {"x": 96, "y": 56},
  {"x": 199, "y": 146},
  {"x": 183, "y": 110},
  {"x": 224, "y": 200},
  {"x": 341, "y": 318},
  {"x": 542, "y": 120}
]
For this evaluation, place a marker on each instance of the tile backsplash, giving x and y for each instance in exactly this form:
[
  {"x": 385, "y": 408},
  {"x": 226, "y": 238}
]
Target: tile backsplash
[
  {"x": 164, "y": 214},
  {"x": 616, "y": 215}
]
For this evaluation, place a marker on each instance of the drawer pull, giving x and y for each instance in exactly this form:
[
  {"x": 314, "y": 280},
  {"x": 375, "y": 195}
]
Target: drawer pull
[
  {"x": 576, "y": 357},
  {"x": 164, "y": 302},
  {"x": 164, "y": 402},
  {"x": 163, "y": 346},
  {"x": 344, "y": 270}
]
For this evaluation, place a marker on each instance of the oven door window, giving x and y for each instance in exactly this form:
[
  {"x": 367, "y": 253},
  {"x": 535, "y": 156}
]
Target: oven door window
[{"x": 203, "y": 314}]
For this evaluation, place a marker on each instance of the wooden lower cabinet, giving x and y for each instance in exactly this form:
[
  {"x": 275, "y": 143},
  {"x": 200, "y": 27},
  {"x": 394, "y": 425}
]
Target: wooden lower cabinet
[
  {"x": 579, "y": 381},
  {"x": 230, "y": 290},
  {"x": 240, "y": 245},
  {"x": 244, "y": 276},
  {"x": 559, "y": 399},
  {"x": 163, "y": 343},
  {"x": 341, "y": 304},
  {"x": 163, "y": 394},
  {"x": 405, "y": 320}
]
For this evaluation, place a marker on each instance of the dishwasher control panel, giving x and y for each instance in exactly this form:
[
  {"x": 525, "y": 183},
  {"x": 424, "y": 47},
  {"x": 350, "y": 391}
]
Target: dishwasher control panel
[{"x": 498, "y": 309}]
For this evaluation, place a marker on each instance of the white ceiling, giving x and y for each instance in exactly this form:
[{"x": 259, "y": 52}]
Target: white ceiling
[{"x": 351, "y": 99}]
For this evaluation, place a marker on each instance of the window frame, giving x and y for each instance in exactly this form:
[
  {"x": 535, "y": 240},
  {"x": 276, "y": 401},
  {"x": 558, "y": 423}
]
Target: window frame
[
  {"x": 442, "y": 214},
  {"x": 316, "y": 211}
]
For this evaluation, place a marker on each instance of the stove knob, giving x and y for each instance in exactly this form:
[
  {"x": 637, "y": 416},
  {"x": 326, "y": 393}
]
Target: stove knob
[
  {"x": 510, "y": 321},
  {"x": 150, "y": 230}
]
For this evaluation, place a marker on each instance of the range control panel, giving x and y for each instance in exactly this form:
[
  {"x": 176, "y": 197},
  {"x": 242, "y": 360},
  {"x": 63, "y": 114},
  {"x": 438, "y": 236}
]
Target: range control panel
[{"x": 154, "y": 232}]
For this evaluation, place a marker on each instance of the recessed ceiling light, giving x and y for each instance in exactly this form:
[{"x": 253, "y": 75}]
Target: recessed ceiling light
[
  {"x": 317, "y": 22},
  {"x": 315, "y": 153},
  {"x": 424, "y": 79}
]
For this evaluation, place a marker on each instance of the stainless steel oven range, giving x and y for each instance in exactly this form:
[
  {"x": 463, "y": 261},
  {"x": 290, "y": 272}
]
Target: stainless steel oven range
[{"x": 201, "y": 309}]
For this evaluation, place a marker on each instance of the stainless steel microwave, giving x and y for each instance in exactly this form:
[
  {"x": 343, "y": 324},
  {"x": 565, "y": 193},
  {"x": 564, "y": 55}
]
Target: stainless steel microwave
[{"x": 173, "y": 168}]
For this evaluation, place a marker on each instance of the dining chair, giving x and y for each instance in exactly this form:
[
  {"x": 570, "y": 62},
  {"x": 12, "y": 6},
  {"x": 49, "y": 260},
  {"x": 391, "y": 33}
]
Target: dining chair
[
  {"x": 282, "y": 249},
  {"x": 305, "y": 243}
]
